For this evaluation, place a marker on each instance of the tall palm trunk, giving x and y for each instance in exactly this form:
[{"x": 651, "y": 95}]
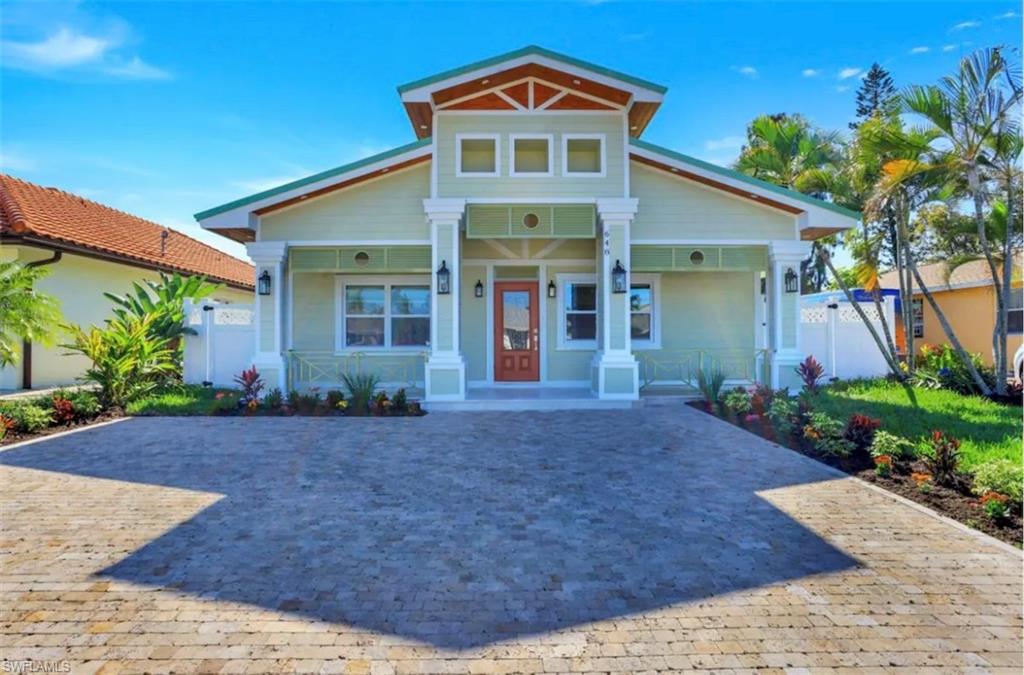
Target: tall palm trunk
[
  {"x": 1003, "y": 317},
  {"x": 998, "y": 345}
]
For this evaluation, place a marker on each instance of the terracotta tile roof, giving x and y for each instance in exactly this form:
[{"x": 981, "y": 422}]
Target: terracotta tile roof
[
  {"x": 974, "y": 273},
  {"x": 31, "y": 210}
]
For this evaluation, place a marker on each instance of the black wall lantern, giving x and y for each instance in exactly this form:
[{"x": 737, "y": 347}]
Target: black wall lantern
[
  {"x": 263, "y": 283},
  {"x": 444, "y": 279},
  {"x": 792, "y": 281},
  {"x": 551, "y": 289},
  {"x": 478, "y": 290},
  {"x": 619, "y": 284}
]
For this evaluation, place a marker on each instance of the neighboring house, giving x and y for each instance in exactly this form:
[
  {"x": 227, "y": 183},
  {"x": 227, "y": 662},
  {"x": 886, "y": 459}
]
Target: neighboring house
[
  {"x": 528, "y": 237},
  {"x": 91, "y": 249},
  {"x": 968, "y": 299}
]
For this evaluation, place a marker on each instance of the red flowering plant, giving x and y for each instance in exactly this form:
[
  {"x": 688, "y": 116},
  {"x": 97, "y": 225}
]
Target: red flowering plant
[
  {"x": 63, "y": 410},
  {"x": 810, "y": 372},
  {"x": 6, "y": 424},
  {"x": 252, "y": 384},
  {"x": 943, "y": 458}
]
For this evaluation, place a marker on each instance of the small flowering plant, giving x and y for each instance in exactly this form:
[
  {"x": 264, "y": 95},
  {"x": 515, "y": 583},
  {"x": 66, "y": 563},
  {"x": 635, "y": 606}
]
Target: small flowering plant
[
  {"x": 252, "y": 385},
  {"x": 922, "y": 480},
  {"x": 6, "y": 424},
  {"x": 883, "y": 466},
  {"x": 996, "y": 506}
]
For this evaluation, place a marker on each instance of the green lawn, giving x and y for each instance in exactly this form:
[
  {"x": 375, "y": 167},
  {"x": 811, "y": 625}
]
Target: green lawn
[
  {"x": 986, "y": 430},
  {"x": 184, "y": 400}
]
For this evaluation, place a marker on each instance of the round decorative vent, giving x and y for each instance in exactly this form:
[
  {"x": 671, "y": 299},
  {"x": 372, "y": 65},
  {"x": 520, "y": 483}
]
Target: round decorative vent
[
  {"x": 697, "y": 258},
  {"x": 530, "y": 221},
  {"x": 362, "y": 259}
]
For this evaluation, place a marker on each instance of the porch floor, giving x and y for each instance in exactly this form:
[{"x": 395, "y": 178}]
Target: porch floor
[{"x": 537, "y": 398}]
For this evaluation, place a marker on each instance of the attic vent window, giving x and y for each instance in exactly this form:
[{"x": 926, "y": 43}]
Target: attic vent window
[
  {"x": 476, "y": 155},
  {"x": 697, "y": 258},
  {"x": 530, "y": 221},
  {"x": 362, "y": 259}
]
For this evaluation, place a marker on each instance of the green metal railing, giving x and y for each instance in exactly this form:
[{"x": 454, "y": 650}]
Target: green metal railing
[
  {"x": 680, "y": 366},
  {"x": 326, "y": 367}
]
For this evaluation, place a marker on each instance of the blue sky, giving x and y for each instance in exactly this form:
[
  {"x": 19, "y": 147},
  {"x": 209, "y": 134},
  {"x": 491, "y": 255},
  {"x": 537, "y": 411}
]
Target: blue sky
[{"x": 164, "y": 109}]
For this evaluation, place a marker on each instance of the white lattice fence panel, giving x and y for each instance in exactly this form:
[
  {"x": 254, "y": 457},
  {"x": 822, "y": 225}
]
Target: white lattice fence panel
[
  {"x": 232, "y": 316},
  {"x": 816, "y": 314},
  {"x": 848, "y": 314}
]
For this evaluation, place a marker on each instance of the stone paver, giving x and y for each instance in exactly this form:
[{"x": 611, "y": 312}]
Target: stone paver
[{"x": 655, "y": 539}]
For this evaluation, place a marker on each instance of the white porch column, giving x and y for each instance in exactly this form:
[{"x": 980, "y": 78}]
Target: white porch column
[
  {"x": 784, "y": 311},
  {"x": 268, "y": 350},
  {"x": 615, "y": 372},
  {"x": 445, "y": 371}
]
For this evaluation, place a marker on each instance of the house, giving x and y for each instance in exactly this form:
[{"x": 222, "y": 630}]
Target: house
[
  {"x": 91, "y": 249},
  {"x": 528, "y": 238},
  {"x": 968, "y": 299}
]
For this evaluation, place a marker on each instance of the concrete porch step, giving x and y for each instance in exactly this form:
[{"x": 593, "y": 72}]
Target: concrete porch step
[{"x": 528, "y": 398}]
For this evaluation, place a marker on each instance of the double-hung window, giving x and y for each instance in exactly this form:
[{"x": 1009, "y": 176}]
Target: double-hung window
[
  {"x": 384, "y": 313},
  {"x": 577, "y": 311},
  {"x": 1015, "y": 311},
  {"x": 917, "y": 314}
]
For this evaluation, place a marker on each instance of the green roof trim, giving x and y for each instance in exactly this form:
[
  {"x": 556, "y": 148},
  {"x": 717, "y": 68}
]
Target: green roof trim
[
  {"x": 756, "y": 182},
  {"x": 329, "y": 173},
  {"x": 540, "y": 51}
]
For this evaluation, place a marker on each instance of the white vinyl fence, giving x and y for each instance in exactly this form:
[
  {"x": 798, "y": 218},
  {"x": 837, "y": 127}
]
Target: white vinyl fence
[
  {"x": 223, "y": 345},
  {"x": 835, "y": 335}
]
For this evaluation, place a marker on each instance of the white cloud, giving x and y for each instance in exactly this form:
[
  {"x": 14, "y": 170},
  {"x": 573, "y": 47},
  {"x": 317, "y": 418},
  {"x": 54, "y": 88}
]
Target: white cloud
[
  {"x": 847, "y": 73},
  {"x": 964, "y": 25},
  {"x": 1008, "y": 15},
  {"x": 810, "y": 72},
  {"x": 920, "y": 50},
  {"x": 724, "y": 143},
  {"x": 953, "y": 47},
  {"x": 69, "y": 49},
  {"x": 748, "y": 71},
  {"x": 841, "y": 88}
]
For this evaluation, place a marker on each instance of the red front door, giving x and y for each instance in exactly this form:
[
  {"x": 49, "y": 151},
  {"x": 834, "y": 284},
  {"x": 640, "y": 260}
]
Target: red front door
[{"x": 516, "y": 332}]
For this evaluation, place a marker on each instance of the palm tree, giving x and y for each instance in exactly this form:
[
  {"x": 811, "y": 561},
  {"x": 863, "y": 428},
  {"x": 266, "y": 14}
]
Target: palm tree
[
  {"x": 25, "y": 313},
  {"x": 968, "y": 112},
  {"x": 785, "y": 150}
]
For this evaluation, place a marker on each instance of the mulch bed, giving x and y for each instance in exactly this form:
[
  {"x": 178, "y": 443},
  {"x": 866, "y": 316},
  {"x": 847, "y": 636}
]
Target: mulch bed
[
  {"x": 959, "y": 504},
  {"x": 13, "y": 436}
]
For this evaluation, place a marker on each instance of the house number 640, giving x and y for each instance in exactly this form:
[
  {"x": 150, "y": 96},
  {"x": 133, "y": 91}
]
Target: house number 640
[{"x": 607, "y": 242}]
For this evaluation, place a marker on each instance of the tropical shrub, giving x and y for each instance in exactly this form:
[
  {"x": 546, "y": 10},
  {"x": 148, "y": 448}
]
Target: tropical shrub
[
  {"x": 63, "y": 410},
  {"x": 710, "y": 386},
  {"x": 1000, "y": 475},
  {"x": 781, "y": 412},
  {"x": 737, "y": 401},
  {"x": 127, "y": 362},
  {"x": 293, "y": 399},
  {"x": 164, "y": 302},
  {"x": 996, "y": 506},
  {"x": 826, "y": 435},
  {"x": 900, "y": 449},
  {"x": 361, "y": 388},
  {"x": 810, "y": 372},
  {"x": 860, "y": 430},
  {"x": 225, "y": 402},
  {"x": 883, "y": 466},
  {"x": 252, "y": 385},
  {"x": 87, "y": 405},
  {"x": 943, "y": 458},
  {"x": 400, "y": 401},
  {"x": 26, "y": 418},
  {"x": 333, "y": 397},
  {"x": 25, "y": 312},
  {"x": 273, "y": 399},
  {"x": 760, "y": 398},
  {"x": 6, "y": 425},
  {"x": 939, "y": 367},
  {"x": 381, "y": 403},
  {"x": 307, "y": 404}
]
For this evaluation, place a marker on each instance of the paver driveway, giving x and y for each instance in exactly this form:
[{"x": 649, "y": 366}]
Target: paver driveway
[{"x": 650, "y": 539}]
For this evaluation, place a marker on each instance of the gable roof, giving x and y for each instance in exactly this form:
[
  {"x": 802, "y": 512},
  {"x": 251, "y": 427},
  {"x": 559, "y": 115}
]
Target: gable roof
[
  {"x": 477, "y": 86},
  {"x": 968, "y": 275},
  {"x": 531, "y": 50},
  {"x": 33, "y": 212}
]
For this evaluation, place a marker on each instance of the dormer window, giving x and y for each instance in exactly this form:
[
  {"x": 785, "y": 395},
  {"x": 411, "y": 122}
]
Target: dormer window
[
  {"x": 531, "y": 155},
  {"x": 583, "y": 155},
  {"x": 476, "y": 155}
]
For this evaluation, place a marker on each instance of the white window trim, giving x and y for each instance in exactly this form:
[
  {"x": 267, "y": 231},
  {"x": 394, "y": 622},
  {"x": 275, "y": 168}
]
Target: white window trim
[
  {"x": 565, "y": 156},
  {"x": 459, "y": 173},
  {"x": 387, "y": 281},
  {"x": 512, "y": 138},
  {"x": 655, "y": 281},
  {"x": 561, "y": 282}
]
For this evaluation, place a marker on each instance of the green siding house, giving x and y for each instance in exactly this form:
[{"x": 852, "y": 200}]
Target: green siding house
[{"x": 528, "y": 241}]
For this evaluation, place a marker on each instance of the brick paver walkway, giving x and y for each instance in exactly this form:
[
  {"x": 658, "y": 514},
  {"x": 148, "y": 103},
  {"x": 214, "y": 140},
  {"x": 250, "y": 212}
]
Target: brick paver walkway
[{"x": 615, "y": 541}]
